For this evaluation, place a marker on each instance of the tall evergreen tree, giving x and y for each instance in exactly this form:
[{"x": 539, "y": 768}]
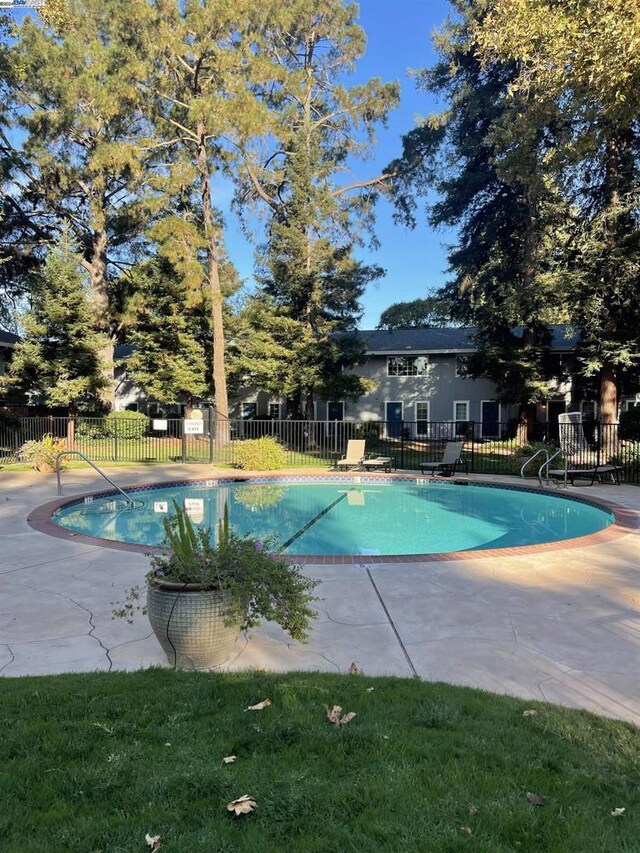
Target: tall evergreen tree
[
  {"x": 58, "y": 357},
  {"x": 77, "y": 100},
  {"x": 505, "y": 267},
  {"x": 19, "y": 236},
  {"x": 319, "y": 129},
  {"x": 582, "y": 58},
  {"x": 200, "y": 61},
  {"x": 170, "y": 335}
]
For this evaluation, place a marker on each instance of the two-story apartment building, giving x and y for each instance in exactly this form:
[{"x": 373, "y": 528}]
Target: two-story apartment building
[{"x": 417, "y": 377}]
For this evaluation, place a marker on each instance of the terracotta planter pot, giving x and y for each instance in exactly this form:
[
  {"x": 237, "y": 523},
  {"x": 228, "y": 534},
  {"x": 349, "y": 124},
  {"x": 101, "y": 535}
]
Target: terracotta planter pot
[{"x": 189, "y": 624}]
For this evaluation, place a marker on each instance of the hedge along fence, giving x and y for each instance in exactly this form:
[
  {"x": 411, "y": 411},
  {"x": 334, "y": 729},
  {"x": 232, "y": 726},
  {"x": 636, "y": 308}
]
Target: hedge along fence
[{"x": 130, "y": 437}]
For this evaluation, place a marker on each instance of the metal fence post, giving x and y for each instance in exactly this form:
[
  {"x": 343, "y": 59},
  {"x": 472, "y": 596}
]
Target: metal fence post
[
  {"x": 211, "y": 428},
  {"x": 184, "y": 442},
  {"x": 115, "y": 440},
  {"x": 473, "y": 444}
]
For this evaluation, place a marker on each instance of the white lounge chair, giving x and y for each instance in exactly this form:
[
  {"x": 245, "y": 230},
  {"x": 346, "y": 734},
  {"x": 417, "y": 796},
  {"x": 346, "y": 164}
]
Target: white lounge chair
[
  {"x": 451, "y": 458},
  {"x": 354, "y": 455}
]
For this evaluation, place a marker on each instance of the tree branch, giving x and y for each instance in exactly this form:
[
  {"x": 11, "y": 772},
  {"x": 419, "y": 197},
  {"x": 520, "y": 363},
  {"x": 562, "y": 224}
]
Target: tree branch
[{"x": 380, "y": 179}]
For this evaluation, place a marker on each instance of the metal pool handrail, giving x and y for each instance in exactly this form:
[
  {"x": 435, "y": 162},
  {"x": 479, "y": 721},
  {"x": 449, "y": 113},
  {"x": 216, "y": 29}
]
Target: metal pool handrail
[
  {"x": 547, "y": 463},
  {"x": 59, "y": 456},
  {"x": 531, "y": 458}
]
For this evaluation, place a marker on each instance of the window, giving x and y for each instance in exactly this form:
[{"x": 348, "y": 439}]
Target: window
[
  {"x": 249, "y": 411},
  {"x": 462, "y": 365},
  {"x": 589, "y": 409},
  {"x": 131, "y": 407},
  {"x": 422, "y": 418},
  {"x": 461, "y": 410},
  {"x": 407, "y": 365},
  {"x": 274, "y": 411}
]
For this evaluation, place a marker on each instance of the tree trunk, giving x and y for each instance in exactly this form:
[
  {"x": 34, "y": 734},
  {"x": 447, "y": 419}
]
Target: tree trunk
[
  {"x": 71, "y": 426},
  {"x": 526, "y": 422},
  {"x": 608, "y": 406},
  {"x": 97, "y": 268},
  {"x": 608, "y": 402},
  {"x": 215, "y": 291},
  {"x": 293, "y": 407}
]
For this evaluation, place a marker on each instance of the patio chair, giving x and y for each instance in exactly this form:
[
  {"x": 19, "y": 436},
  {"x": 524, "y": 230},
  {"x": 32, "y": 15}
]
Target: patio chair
[
  {"x": 354, "y": 455},
  {"x": 451, "y": 458},
  {"x": 580, "y": 461}
]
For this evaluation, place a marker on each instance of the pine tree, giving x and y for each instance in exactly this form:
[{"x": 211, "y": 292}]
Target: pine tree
[
  {"x": 58, "y": 357},
  {"x": 310, "y": 281},
  {"x": 170, "y": 336},
  {"x": 506, "y": 270},
  {"x": 81, "y": 163}
]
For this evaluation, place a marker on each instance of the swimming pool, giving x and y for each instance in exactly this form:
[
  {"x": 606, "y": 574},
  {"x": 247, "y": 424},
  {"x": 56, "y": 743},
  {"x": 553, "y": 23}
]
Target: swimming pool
[{"x": 355, "y": 516}]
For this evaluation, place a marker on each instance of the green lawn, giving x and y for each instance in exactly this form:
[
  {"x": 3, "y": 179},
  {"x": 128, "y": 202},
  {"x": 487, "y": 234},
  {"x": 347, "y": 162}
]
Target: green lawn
[{"x": 93, "y": 762}]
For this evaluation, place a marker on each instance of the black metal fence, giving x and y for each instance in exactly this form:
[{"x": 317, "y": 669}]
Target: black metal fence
[{"x": 307, "y": 443}]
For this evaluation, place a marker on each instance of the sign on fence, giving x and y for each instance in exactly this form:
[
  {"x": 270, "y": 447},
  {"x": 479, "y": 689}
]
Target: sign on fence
[
  {"x": 193, "y": 426},
  {"x": 160, "y": 425}
]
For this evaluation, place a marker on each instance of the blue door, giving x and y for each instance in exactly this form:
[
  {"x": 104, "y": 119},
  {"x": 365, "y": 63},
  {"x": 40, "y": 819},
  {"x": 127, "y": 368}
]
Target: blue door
[
  {"x": 394, "y": 420},
  {"x": 490, "y": 419}
]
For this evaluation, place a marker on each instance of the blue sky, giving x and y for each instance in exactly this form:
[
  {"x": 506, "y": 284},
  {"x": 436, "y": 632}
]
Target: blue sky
[{"x": 398, "y": 39}]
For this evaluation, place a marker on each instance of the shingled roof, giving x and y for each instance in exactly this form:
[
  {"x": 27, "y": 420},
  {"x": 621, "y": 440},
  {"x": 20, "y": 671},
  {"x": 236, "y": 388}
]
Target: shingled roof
[
  {"x": 8, "y": 339},
  {"x": 447, "y": 340}
]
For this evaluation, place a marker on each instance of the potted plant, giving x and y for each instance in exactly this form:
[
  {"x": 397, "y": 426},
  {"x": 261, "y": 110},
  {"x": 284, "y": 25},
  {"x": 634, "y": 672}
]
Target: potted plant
[
  {"x": 42, "y": 454},
  {"x": 201, "y": 595}
]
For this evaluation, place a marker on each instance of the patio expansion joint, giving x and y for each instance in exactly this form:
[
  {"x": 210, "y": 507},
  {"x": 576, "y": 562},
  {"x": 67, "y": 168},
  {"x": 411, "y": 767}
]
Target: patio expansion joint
[
  {"x": 392, "y": 624},
  {"x": 107, "y": 651}
]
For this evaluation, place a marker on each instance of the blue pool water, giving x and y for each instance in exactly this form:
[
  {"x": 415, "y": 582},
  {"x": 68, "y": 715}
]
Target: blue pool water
[{"x": 347, "y": 517}]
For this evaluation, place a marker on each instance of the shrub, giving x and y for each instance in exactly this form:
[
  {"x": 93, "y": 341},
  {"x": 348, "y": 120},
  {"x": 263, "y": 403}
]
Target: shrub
[
  {"x": 9, "y": 421},
  {"x": 42, "y": 454},
  {"x": 126, "y": 424},
  {"x": 259, "y": 454},
  {"x": 91, "y": 428}
]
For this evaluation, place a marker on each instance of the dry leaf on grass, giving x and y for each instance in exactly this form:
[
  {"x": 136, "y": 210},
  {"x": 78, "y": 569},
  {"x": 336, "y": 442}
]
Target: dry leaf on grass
[
  {"x": 229, "y": 759},
  {"x": 466, "y": 830},
  {"x": 264, "y": 704},
  {"x": 473, "y": 810},
  {"x": 354, "y": 669},
  {"x": 535, "y": 799},
  {"x": 153, "y": 841},
  {"x": 530, "y": 712},
  {"x": 370, "y": 689},
  {"x": 243, "y": 805},
  {"x": 618, "y": 812},
  {"x": 333, "y": 715}
]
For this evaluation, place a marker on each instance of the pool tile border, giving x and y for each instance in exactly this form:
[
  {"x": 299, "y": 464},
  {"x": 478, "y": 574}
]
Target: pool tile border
[{"x": 41, "y": 519}]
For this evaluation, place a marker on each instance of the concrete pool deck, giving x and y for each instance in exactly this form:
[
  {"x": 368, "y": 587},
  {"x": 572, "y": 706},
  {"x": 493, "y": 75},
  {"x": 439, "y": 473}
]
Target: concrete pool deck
[{"x": 561, "y": 625}]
